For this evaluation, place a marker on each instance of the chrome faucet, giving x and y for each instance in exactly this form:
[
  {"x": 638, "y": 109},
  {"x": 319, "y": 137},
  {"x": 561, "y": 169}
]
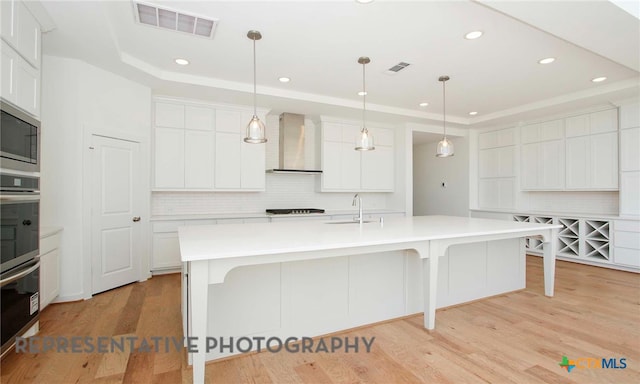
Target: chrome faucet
[{"x": 358, "y": 200}]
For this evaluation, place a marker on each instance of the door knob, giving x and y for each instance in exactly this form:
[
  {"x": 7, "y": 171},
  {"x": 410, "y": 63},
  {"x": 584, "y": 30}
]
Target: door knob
[{"x": 136, "y": 219}]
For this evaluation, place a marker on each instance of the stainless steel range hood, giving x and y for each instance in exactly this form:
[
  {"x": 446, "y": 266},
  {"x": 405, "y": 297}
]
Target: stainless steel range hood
[{"x": 291, "y": 149}]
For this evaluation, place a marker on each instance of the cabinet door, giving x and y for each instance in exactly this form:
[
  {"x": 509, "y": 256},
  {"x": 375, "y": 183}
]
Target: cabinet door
[
  {"x": 506, "y": 193},
  {"x": 28, "y": 36},
  {"x": 553, "y": 164},
  {"x": 169, "y": 158},
  {"x": 229, "y": 121},
  {"x": 199, "y": 118},
  {"x": 529, "y": 166},
  {"x": 252, "y": 166},
  {"x": 630, "y": 115},
  {"x": 577, "y": 126},
  {"x": 506, "y": 162},
  {"x": 252, "y": 173},
  {"x": 27, "y": 85},
  {"x": 604, "y": 161},
  {"x": 604, "y": 121},
  {"x": 331, "y": 165},
  {"x": 169, "y": 115},
  {"x": 198, "y": 159},
  {"x": 377, "y": 169},
  {"x": 488, "y": 193},
  {"x": 578, "y": 162},
  {"x": 7, "y": 67},
  {"x": 166, "y": 251},
  {"x": 8, "y": 24},
  {"x": 49, "y": 277},
  {"x": 228, "y": 160},
  {"x": 488, "y": 140},
  {"x": 629, "y": 192},
  {"x": 552, "y": 130},
  {"x": 489, "y": 160},
  {"x": 350, "y": 175},
  {"x": 629, "y": 153}
]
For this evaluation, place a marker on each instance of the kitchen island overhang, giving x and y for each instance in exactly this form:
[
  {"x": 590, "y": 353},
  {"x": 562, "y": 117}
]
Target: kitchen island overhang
[{"x": 211, "y": 252}]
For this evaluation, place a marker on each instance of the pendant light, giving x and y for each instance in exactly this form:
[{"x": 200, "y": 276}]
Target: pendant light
[
  {"x": 255, "y": 129},
  {"x": 364, "y": 142},
  {"x": 445, "y": 146}
]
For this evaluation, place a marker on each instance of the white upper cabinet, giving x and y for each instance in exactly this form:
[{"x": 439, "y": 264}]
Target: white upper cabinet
[
  {"x": 542, "y": 160},
  {"x": 592, "y": 151},
  {"x": 21, "y": 30},
  {"x": 345, "y": 169},
  {"x": 630, "y": 115},
  {"x": 200, "y": 147},
  {"x": 240, "y": 166},
  {"x": 576, "y": 153},
  {"x": 630, "y": 149}
]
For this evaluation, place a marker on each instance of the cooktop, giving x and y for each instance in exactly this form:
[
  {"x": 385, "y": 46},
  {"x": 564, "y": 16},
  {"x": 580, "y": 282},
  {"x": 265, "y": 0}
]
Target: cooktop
[{"x": 294, "y": 211}]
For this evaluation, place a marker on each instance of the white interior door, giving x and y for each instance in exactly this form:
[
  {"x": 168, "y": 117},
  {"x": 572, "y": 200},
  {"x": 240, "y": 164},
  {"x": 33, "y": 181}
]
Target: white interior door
[{"x": 116, "y": 235}]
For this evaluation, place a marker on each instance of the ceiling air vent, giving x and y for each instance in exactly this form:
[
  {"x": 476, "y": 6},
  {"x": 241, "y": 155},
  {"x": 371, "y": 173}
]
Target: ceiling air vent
[
  {"x": 397, "y": 68},
  {"x": 166, "y": 18}
]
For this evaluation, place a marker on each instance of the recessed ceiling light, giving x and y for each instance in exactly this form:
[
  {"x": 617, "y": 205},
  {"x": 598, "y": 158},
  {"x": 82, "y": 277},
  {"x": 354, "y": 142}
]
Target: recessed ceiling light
[
  {"x": 284, "y": 79},
  {"x": 423, "y": 104},
  {"x": 362, "y": 93},
  {"x": 364, "y": 1},
  {"x": 599, "y": 79},
  {"x": 182, "y": 61},
  {"x": 473, "y": 113},
  {"x": 473, "y": 35},
  {"x": 547, "y": 60}
]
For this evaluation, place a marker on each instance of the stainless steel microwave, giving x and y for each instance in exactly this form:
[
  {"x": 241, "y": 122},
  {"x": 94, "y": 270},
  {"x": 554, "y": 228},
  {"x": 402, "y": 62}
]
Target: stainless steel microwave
[{"x": 19, "y": 140}]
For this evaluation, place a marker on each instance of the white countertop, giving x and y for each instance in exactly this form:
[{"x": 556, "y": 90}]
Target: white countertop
[
  {"x": 251, "y": 215},
  {"x": 208, "y": 242},
  {"x": 556, "y": 214},
  {"x": 49, "y": 231}
]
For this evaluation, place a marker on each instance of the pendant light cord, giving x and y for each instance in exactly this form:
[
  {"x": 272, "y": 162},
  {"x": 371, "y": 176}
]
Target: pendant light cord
[
  {"x": 444, "y": 111},
  {"x": 364, "y": 99},
  {"x": 255, "y": 110}
]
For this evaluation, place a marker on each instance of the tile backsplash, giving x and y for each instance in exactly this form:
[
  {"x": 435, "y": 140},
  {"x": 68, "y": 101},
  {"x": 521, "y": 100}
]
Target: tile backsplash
[
  {"x": 602, "y": 203},
  {"x": 282, "y": 191}
]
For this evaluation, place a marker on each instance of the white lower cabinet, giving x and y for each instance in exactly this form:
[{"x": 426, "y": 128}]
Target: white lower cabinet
[
  {"x": 165, "y": 254},
  {"x": 49, "y": 267},
  {"x": 627, "y": 242}
]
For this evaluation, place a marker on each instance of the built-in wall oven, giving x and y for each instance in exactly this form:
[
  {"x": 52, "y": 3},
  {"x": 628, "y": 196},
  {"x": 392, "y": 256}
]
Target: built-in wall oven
[
  {"x": 20, "y": 267},
  {"x": 19, "y": 140}
]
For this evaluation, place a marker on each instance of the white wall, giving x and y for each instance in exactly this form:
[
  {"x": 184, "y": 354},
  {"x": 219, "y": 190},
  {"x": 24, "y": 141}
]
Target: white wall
[
  {"x": 429, "y": 172},
  {"x": 79, "y": 100}
]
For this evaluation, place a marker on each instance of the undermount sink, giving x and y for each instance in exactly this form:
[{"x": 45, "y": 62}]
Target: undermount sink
[{"x": 350, "y": 222}]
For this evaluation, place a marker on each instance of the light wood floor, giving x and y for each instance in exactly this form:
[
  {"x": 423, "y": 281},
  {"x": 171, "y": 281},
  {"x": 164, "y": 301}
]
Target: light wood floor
[{"x": 514, "y": 338}]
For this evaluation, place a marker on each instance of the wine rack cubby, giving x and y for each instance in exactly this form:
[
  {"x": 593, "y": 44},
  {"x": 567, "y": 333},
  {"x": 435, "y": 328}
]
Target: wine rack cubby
[{"x": 586, "y": 239}]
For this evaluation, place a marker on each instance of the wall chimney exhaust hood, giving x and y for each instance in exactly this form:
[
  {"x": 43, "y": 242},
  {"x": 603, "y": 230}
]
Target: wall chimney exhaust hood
[{"x": 291, "y": 149}]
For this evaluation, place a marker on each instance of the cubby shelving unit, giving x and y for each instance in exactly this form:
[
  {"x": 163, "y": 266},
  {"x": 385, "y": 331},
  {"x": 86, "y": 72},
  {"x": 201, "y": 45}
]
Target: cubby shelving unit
[
  {"x": 580, "y": 239},
  {"x": 569, "y": 237},
  {"x": 596, "y": 240}
]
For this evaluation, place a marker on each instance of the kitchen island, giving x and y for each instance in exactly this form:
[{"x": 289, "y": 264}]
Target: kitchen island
[{"x": 212, "y": 252}]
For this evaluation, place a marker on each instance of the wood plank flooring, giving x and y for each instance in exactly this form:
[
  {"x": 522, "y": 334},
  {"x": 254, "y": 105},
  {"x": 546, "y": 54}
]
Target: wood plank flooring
[{"x": 514, "y": 338}]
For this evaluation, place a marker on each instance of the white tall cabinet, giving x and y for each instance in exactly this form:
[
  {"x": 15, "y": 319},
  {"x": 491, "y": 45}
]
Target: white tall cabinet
[
  {"x": 630, "y": 159},
  {"x": 497, "y": 168},
  {"x": 20, "y": 57},
  {"x": 200, "y": 147},
  {"x": 542, "y": 156}
]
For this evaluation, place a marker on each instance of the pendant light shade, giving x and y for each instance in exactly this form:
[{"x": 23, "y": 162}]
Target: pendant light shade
[
  {"x": 445, "y": 146},
  {"x": 364, "y": 141},
  {"x": 255, "y": 133}
]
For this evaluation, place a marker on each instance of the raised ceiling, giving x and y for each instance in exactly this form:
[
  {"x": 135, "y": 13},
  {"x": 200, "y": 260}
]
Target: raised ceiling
[{"x": 317, "y": 44}]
